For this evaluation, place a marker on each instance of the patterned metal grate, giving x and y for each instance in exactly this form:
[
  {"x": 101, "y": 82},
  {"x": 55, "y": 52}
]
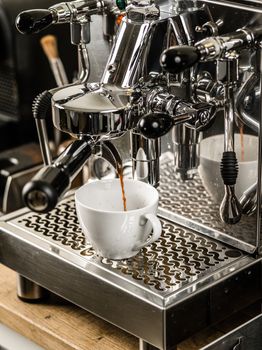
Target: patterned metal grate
[
  {"x": 190, "y": 200},
  {"x": 179, "y": 257}
]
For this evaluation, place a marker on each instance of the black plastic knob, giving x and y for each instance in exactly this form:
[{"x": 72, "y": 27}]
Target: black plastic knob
[
  {"x": 229, "y": 168},
  {"x": 33, "y": 21},
  {"x": 155, "y": 125},
  {"x": 176, "y": 59}
]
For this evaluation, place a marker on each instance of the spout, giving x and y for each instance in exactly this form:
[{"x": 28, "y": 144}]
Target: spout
[
  {"x": 110, "y": 153},
  {"x": 145, "y": 158},
  {"x": 47, "y": 187}
]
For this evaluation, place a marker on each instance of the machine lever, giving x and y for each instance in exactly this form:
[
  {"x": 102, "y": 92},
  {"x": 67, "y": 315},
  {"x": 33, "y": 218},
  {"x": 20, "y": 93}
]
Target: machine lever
[
  {"x": 198, "y": 115},
  {"x": 178, "y": 58},
  {"x": 33, "y": 21},
  {"x": 154, "y": 125}
]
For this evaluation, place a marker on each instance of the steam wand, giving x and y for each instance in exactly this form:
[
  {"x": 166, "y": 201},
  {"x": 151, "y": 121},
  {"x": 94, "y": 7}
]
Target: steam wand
[{"x": 230, "y": 208}]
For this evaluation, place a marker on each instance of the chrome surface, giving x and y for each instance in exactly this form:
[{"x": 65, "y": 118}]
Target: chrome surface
[
  {"x": 80, "y": 32},
  {"x": 200, "y": 263},
  {"x": 129, "y": 61},
  {"x": 248, "y": 200},
  {"x": 247, "y": 5},
  {"x": 28, "y": 290},
  {"x": 145, "y": 158},
  {"x": 182, "y": 264},
  {"x": 91, "y": 109},
  {"x": 216, "y": 47},
  {"x": 188, "y": 203},
  {"x": 230, "y": 209},
  {"x": 186, "y": 151},
  {"x": 146, "y": 171},
  {"x": 259, "y": 175},
  {"x": 179, "y": 258},
  {"x": 245, "y": 90},
  {"x": 137, "y": 13},
  {"x": 84, "y": 63},
  {"x": 43, "y": 141},
  {"x": 74, "y": 11}
]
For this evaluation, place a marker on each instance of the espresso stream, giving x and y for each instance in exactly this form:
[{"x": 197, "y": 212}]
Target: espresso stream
[{"x": 121, "y": 178}]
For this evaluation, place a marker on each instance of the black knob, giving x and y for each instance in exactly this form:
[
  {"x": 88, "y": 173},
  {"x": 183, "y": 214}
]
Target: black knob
[
  {"x": 33, "y": 21},
  {"x": 178, "y": 58},
  {"x": 155, "y": 125}
]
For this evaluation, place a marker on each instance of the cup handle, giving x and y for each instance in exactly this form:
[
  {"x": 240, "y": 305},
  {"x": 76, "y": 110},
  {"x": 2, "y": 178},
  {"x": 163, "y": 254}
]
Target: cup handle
[{"x": 157, "y": 230}]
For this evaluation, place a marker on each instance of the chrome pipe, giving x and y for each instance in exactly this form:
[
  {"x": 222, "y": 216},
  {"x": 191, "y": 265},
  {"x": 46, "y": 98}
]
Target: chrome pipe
[
  {"x": 43, "y": 141},
  {"x": 230, "y": 208},
  {"x": 242, "y": 114},
  {"x": 186, "y": 149},
  {"x": 145, "y": 158}
]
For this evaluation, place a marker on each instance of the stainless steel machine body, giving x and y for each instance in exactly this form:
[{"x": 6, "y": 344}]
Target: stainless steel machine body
[
  {"x": 151, "y": 295},
  {"x": 193, "y": 67}
]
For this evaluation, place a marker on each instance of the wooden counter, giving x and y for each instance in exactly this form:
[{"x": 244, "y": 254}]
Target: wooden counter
[{"x": 59, "y": 325}]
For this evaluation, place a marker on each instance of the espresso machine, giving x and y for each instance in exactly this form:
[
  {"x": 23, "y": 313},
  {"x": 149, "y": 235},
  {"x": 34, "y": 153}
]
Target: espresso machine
[{"x": 177, "y": 72}]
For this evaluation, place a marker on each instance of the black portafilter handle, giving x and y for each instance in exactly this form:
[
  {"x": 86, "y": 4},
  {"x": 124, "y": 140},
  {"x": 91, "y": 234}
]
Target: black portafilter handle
[
  {"x": 176, "y": 59},
  {"x": 154, "y": 125},
  {"x": 47, "y": 187},
  {"x": 43, "y": 192},
  {"x": 33, "y": 21}
]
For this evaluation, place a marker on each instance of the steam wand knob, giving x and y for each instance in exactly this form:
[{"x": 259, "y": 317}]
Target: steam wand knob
[
  {"x": 178, "y": 58},
  {"x": 33, "y": 21},
  {"x": 157, "y": 124},
  {"x": 230, "y": 208},
  {"x": 154, "y": 125}
]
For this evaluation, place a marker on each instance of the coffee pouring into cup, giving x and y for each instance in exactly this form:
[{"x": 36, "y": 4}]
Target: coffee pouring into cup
[{"x": 113, "y": 232}]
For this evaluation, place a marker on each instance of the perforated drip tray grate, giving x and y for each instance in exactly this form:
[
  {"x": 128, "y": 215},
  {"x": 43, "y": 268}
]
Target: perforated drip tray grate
[
  {"x": 177, "y": 259},
  {"x": 190, "y": 201}
]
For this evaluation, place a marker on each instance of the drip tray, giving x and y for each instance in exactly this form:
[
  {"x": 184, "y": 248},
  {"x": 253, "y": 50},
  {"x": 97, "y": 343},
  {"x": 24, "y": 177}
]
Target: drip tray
[
  {"x": 176, "y": 260},
  {"x": 150, "y": 295}
]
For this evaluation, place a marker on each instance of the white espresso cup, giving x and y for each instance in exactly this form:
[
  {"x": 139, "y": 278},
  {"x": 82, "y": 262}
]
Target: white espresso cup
[{"x": 113, "y": 232}]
